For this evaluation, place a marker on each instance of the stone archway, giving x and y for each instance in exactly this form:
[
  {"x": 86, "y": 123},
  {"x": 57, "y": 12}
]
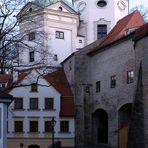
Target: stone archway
[
  {"x": 100, "y": 126},
  {"x": 124, "y": 115},
  {"x": 33, "y": 146}
]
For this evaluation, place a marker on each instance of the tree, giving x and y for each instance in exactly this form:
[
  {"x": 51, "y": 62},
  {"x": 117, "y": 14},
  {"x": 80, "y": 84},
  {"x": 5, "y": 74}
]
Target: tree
[{"x": 13, "y": 41}]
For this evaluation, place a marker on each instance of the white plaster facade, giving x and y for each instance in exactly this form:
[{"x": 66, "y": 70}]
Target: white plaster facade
[
  {"x": 91, "y": 15},
  {"x": 41, "y": 115}
]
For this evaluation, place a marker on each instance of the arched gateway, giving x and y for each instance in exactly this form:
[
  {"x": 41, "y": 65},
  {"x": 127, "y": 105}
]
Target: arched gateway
[{"x": 100, "y": 126}]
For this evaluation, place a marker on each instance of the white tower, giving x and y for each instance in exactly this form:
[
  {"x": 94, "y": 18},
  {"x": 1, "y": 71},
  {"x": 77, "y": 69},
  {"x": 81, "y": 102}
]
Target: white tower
[{"x": 99, "y": 16}]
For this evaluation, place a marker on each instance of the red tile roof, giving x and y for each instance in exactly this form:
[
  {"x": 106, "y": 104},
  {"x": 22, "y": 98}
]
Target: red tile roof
[
  {"x": 131, "y": 21},
  {"x": 141, "y": 32},
  {"x": 59, "y": 81}
]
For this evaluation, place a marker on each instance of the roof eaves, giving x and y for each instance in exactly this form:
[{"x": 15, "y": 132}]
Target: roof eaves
[{"x": 97, "y": 50}]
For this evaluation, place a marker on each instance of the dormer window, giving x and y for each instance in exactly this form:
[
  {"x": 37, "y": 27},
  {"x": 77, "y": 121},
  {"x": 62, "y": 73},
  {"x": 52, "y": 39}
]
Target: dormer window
[{"x": 60, "y": 8}]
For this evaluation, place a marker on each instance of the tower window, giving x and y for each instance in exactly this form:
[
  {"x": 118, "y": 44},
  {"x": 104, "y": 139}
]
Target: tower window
[
  {"x": 59, "y": 35},
  {"x": 60, "y": 8},
  {"x": 101, "y": 3},
  {"x": 31, "y": 56},
  {"x": 101, "y": 31},
  {"x": 31, "y": 36}
]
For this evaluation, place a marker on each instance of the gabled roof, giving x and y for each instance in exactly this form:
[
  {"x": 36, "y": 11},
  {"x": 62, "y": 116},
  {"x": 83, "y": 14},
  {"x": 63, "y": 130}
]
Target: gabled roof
[
  {"x": 141, "y": 32},
  {"x": 59, "y": 81},
  {"x": 47, "y": 3},
  {"x": 5, "y": 98},
  {"x": 121, "y": 29}
]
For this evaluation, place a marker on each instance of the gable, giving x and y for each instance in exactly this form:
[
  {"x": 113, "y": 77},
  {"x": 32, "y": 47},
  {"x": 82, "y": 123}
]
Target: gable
[
  {"x": 65, "y": 8},
  {"x": 28, "y": 9}
]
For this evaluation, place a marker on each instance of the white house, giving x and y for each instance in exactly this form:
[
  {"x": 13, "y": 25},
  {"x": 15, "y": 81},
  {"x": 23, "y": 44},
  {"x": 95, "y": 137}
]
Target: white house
[
  {"x": 30, "y": 114},
  {"x": 5, "y": 101}
]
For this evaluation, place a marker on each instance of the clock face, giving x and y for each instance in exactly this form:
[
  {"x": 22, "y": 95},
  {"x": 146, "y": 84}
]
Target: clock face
[
  {"x": 121, "y": 5},
  {"x": 81, "y": 6}
]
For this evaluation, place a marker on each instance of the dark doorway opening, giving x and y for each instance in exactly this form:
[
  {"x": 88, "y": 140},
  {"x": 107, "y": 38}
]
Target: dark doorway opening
[
  {"x": 100, "y": 126},
  {"x": 33, "y": 146}
]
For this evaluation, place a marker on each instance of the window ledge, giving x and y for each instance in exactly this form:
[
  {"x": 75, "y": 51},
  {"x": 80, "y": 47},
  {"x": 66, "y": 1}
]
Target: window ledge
[
  {"x": 33, "y": 132},
  {"x": 33, "y": 109},
  {"x": 18, "y": 132},
  {"x": 18, "y": 109},
  {"x": 64, "y": 132},
  {"x": 49, "y": 109}
]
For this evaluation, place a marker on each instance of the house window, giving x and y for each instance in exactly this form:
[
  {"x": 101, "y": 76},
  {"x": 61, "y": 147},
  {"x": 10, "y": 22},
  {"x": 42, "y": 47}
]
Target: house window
[
  {"x": 55, "y": 57},
  {"x": 33, "y": 126},
  {"x": 18, "y": 103},
  {"x": 31, "y": 56},
  {"x": 34, "y": 87},
  {"x": 48, "y": 126},
  {"x": 31, "y": 36},
  {"x": 59, "y": 35},
  {"x": 2, "y": 85},
  {"x": 80, "y": 41},
  {"x": 101, "y": 31},
  {"x": 33, "y": 103},
  {"x": 18, "y": 126},
  {"x": 130, "y": 76},
  {"x": 98, "y": 86},
  {"x": 49, "y": 103},
  {"x": 64, "y": 126},
  {"x": 113, "y": 81}
]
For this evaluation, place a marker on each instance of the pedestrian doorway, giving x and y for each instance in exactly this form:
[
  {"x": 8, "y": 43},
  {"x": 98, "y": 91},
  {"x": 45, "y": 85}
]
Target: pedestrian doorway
[{"x": 100, "y": 126}]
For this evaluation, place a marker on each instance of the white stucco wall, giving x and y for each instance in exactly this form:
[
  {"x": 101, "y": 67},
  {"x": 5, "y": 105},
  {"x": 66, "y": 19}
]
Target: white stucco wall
[
  {"x": 40, "y": 115},
  {"x": 93, "y": 13}
]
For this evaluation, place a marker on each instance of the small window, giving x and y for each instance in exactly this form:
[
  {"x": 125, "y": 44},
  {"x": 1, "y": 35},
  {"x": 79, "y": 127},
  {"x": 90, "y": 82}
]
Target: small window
[
  {"x": 59, "y": 35},
  {"x": 34, "y": 87},
  {"x": 33, "y": 126},
  {"x": 48, "y": 126},
  {"x": 2, "y": 85},
  {"x": 18, "y": 103},
  {"x": 18, "y": 125},
  {"x": 113, "y": 81},
  {"x": 130, "y": 76},
  {"x": 31, "y": 56},
  {"x": 55, "y": 57},
  {"x": 98, "y": 86},
  {"x": 60, "y": 8},
  {"x": 64, "y": 126},
  {"x": 101, "y": 3},
  {"x": 31, "y": 36},
  {"x": 101, "y": 31},
  {"x": 33, "y": 103},
  {"x": 80, "y": 41},
  {"x": 49, "y": 103},
  {"x": 70, "y": 65}
]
